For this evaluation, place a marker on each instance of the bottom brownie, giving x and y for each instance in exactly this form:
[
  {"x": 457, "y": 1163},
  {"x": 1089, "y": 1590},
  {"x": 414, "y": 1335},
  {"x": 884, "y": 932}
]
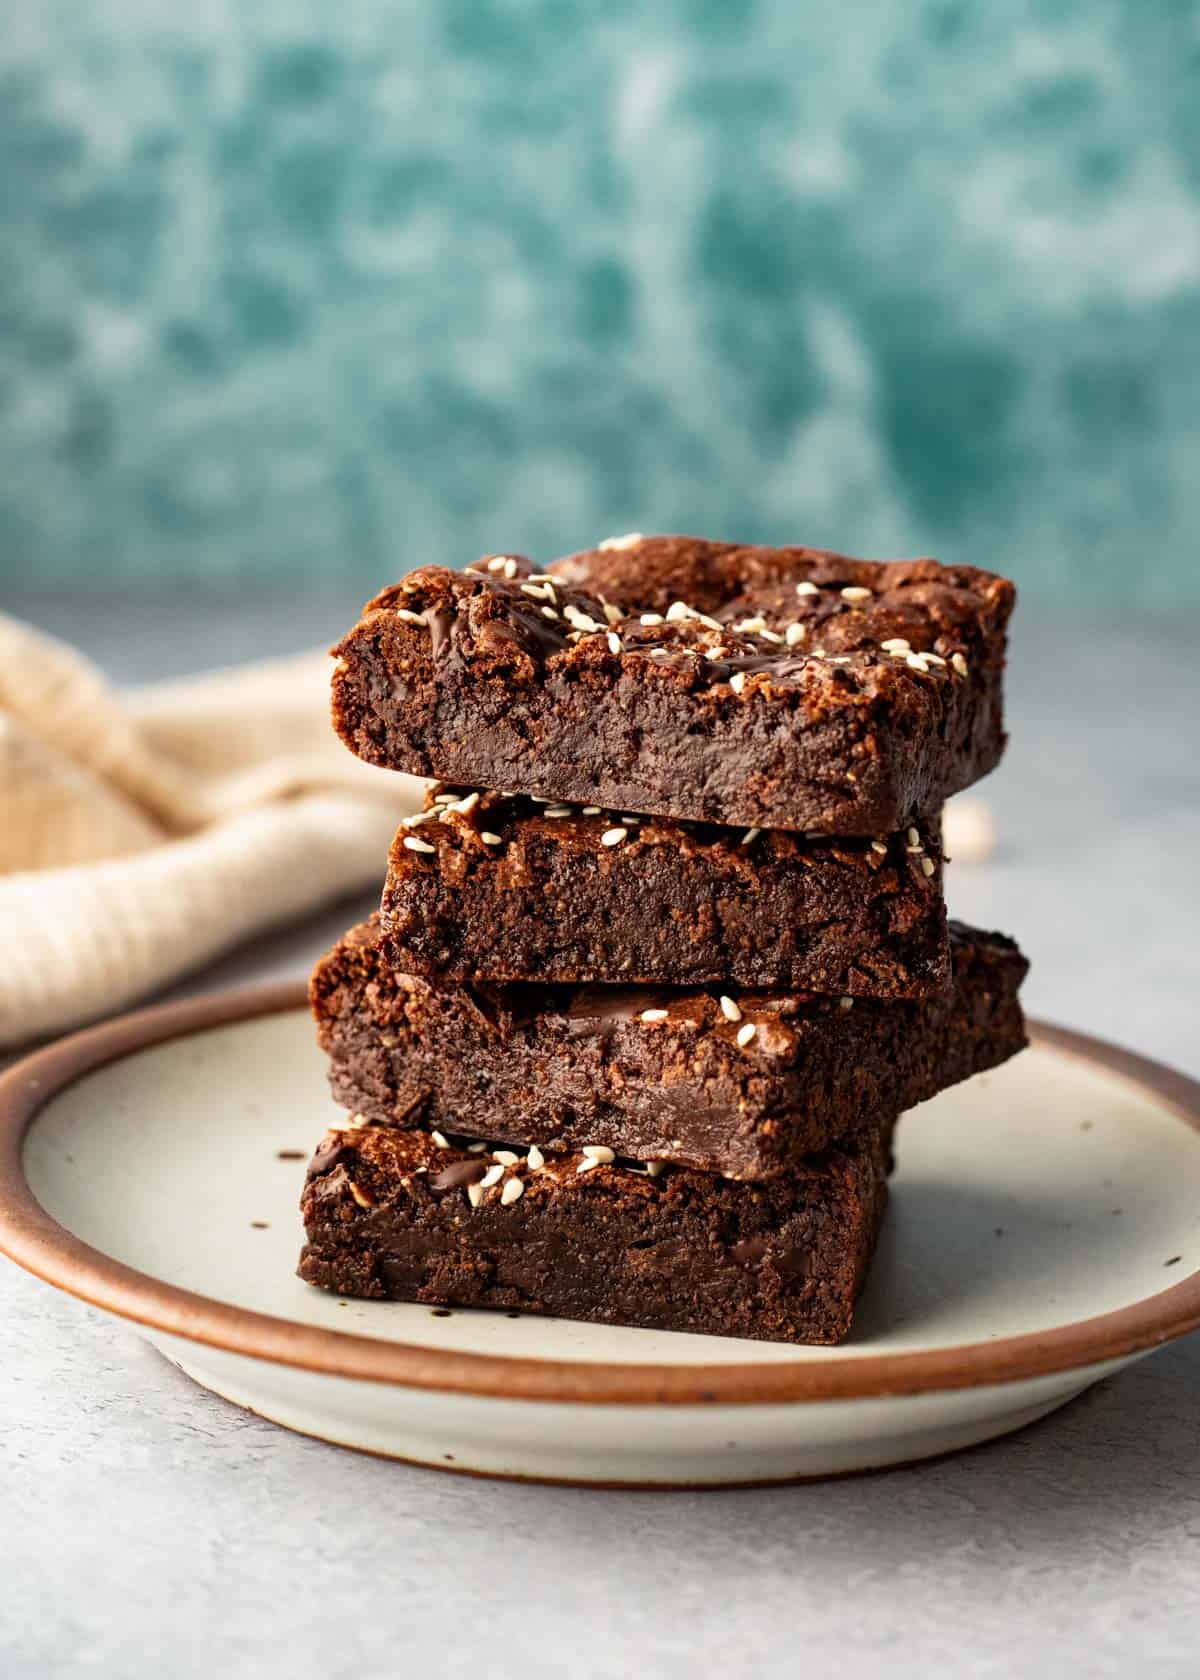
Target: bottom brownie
[{"x": 408, "y": 1216}]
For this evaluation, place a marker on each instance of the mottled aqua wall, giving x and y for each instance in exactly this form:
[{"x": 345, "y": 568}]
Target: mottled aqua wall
[{"x": 296, "y": 288}]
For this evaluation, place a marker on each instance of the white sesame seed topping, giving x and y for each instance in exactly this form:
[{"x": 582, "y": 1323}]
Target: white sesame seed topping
[
  {"x": 846, "y": 1003},
  {"x": 591, "y": 810},
  {"x": 549, "y": 612},
  {"x": 599, "y": 1152},
  {"x": 490, "y": 839},
  {"x": 927, "y": 866},
  {"x": 750, "y": 836},
  {"x": 653, "y": 1168},
  {"x": 807, "y": 588},
  {"x": 506, "y": 1157},
  {"x": 730, "y": 1009},
  {"x": 464, "y": 805},
  {"x": 415, "y": 845},
  {"x": 417, "y": 818},
  {"x": 476, "y": 1148},
  {"x": 630, "y": 540},
  {"x": 512, "y": 1192},
  {"x": 557, "y": 811},
  {"x": 678, "y": 611},
  {"x": 440, "y": 1140},
  {"x": 879, "y": 846},
  {"x": 651, "y": 618},
  {"x": 913, "y": 836},
  {"x": 856, "y": 592},
  {"x": 751, "y": 626},
  {"x": 539, "y": 591},
  {"x": 839, "y": 659},
  {"x": 614, "y": 642},
  {"x": 498, "y": 564},
  {"x": 959, "y": 663},
  {"x": 795, "y": 632},
  {"x": 587, "y": 1164},
  {"x": 535, "y": 1158},
  {"x": 746, "y": 1034},
  {"x": 475, "y": 1194},
  {"x": 408, "y": 617},
  {"x": 896, "y": 644},
  {"x": 614, "y": 615},
  {"x": 653, "y": 1015},
  {"x": 917, "y": 662},
  {"x": 737, "y": 681},
  {"x": 492, "y": 1176},
  {"x": 770, "y": 636},
  {"x": 933, "y": 658},
  {"x": 613, "y": 836},
  {"x": 510, "y": 569}
]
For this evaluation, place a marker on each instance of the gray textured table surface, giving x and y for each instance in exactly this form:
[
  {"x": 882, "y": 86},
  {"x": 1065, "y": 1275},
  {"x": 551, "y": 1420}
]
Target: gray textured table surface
[{"x": 150, "y": 1529}]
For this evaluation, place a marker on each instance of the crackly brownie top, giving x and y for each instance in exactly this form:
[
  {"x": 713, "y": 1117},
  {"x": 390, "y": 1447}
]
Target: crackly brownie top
[
  {"x": 813, "y": 627},
  {"x": 483, "y": 823}
]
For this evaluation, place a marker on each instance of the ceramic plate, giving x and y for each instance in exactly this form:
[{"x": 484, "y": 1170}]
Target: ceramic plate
[{"x": 1044, "y": 1230}]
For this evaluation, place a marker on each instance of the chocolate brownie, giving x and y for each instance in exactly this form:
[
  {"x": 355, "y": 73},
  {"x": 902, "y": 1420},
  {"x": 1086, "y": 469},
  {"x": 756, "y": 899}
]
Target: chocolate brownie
[
  {"x": 744, "y": 1083},
  {"x": 390, "y": 1215},
  {"x": 776, "y": 688},
  {"x": 486, "y": 886}
]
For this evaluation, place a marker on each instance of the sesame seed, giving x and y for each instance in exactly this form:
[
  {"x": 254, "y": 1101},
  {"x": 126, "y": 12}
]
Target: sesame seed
[
  {"x": 512, "y": 1192},
  {"x": 846, "y": 1003},
  {"x": 498, "y": 564},
  {"x": 651, "y": 618},
  {"x": 417, "y": 818},
  {"x": 538, "y": 591},
  {"x": 440, "y": 1140},
  {"x": 751, "y": 626},
  {"x": 492, "y": 1176},
  {"x": 408, "y": 617},
  {"x": 653, "y": 1015},
  {"x": 591, "y": 810},
  {"x": 879, "y": 846},
  {"x": 476, "y": 1148},
  {"x": 959, "y": 663},
  {"x": 506, "y": 1157},
  {"x": 750, "y": 836},
  {"x": 510, "y": 569},
  {"x": 927, "y": 866},
  {"x": 737, "y": 681},
  {"x": 678, "y": 611},
  {"x": 614, "y": 615},
  {"x": 896, "y": 644},
  {"x": 613, "y": 836},
  {"x": 917, "y": 662},
  {"x": 933, "y": 658},
  {"x": 660, "y": 653},
  {"x": 856, "y": 592},
  {"x": 795, "y": 632},
  {"x": 549, "y": 612},
  {"x": 807, "y": 588},
  {"x": 614, "y": 642},
  {"x": 730, "y": 1009},
  {"x": 653, "y": 1168},
  {"x": 535, "y": 1158},
  {"x": 557, "y": 811},
  {"x": 630, "y": 540},
  {"x": 475, "y": 1194},
  {"x": 913, "y": 837},
  {"x": 599, "y": 1152},
  {"x": 464, "y": 805},
  {"x": 745, "y": 1035},
  {"x": 415, "y": 845},
  {"x": 770, "y": 636},
  {"x": 587, "y": 1164},
  {"x": 490, "y": 839}
]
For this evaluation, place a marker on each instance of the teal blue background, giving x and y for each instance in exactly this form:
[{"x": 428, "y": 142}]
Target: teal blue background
[{"x": 297, "y": 292}]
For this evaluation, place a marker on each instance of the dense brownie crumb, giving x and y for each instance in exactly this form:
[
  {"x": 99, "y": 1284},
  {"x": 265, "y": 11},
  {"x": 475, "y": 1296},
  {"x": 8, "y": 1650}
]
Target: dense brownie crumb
[
  {"x": 745, "y": 1083},
  {"x": 484, "y": 886},
  {"x": 779, "y": 688},
  {"x": 393, "y": 1215}
]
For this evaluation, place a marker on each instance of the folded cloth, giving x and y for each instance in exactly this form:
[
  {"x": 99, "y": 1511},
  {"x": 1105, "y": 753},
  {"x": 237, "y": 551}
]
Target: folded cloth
[{"x": 143, "y": 833}]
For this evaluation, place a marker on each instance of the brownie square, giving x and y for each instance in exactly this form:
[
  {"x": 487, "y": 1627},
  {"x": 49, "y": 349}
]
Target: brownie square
[
  {"x": 740, "y": 1082},
  {"x": 758, "y": 687},
  {"x": 401, "y": 1216},
  {"x": 483, "y": 886}
]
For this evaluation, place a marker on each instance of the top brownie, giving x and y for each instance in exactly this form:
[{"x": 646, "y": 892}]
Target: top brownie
[{"x": 771, "y": 687}]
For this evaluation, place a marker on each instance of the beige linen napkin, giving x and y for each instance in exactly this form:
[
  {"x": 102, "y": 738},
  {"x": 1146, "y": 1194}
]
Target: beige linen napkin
[{"x": 141, "y": 834}]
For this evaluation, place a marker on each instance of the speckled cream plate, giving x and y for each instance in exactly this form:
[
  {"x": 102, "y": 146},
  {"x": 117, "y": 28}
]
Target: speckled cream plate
[{"x": 1044, "y": 1231}]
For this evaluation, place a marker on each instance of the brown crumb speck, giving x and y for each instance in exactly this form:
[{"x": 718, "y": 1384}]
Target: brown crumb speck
[{"x": 290, "y": 1154}]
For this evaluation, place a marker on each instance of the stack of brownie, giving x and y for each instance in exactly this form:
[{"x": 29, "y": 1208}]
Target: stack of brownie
[{"x": 665, "y": 956}]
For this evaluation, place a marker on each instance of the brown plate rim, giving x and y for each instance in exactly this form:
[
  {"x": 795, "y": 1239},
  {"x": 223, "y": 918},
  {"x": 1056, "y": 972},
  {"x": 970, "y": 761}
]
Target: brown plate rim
[{"x": 32, "y": 1238}]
